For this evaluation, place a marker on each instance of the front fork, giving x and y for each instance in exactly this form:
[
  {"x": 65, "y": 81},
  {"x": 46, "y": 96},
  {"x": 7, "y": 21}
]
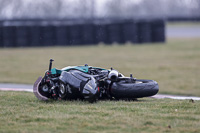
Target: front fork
[
  {"x": 54, "y": 90},
  {"x": 51, "y": 83},
  {"x": 53, "y": 86}
]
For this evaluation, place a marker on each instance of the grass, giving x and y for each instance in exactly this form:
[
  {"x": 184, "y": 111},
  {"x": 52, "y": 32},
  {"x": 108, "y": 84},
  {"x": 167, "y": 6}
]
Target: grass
[
  {"x": 174, "y": 65},
  {"x": 22, "y": 112}
]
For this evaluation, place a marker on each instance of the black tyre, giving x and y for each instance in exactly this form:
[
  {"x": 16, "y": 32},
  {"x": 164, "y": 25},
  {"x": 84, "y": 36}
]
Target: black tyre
[
  {"x": 44, "y": 90},
  {"x": 63, "y": 91},
  {"x": 125, "y": 88},
  {"x": 67, "y": 92}
]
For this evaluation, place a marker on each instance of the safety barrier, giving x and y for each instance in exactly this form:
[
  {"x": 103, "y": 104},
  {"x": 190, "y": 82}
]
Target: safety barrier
[{"x": 66, "y": 33}]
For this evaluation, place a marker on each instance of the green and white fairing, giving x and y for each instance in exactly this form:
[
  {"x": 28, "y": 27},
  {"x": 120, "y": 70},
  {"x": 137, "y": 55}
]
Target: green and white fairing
[{"x": 84, "y": 69}]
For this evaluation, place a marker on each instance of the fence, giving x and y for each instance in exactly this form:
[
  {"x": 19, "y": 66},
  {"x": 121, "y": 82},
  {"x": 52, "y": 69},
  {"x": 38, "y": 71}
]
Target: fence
[{"x": 79, "y": 32}]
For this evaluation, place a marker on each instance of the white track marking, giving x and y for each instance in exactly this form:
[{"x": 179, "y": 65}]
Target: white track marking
[
  {"x": 161, "y": 96},
  {"x": 158, "y": 96},
  {"x": 16, "y": 89}
]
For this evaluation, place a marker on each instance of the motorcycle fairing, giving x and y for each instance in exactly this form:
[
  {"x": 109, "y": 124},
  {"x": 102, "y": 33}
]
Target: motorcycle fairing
[
  {"x": 84, "y": 82},
  {"x": 36, "y": 90},
  {"x": 80, "y": 68}
]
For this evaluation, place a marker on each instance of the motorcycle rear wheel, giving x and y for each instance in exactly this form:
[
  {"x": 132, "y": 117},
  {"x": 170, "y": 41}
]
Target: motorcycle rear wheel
[{"x": 138, "y": 88}]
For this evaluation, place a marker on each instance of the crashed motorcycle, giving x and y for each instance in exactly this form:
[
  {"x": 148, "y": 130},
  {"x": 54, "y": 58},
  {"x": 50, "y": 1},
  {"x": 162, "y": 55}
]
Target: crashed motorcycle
[{"x": 91, "y": 84}]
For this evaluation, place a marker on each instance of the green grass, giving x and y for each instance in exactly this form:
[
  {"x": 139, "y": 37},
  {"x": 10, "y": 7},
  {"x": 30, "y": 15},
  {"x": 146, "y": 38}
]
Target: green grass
[
  {"x": 174, "y": 65},
  {"x": 22, "y": 112}
]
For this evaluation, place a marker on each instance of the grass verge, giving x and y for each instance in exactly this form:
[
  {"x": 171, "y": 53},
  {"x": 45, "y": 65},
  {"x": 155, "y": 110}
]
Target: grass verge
[
  {"x": 22, "y": 112},
  {"x": 174, "y": 65}
]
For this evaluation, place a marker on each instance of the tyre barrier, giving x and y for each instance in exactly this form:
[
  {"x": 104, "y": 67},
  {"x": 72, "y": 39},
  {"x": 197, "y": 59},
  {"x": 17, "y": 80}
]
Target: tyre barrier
[
  {"x": 130, "y": 32},
  {"x": 114, "y": 33},
  {"x": 62, "y": 35},
  {"x": 48, "y": 35},
  {"x": 35, "y": 34},
  {"x": 144, "y": 32},
  {"x": 22, "y": 36},
  {"x": 88, "y": 34},
  {"x": 1, "y": 36},
  {"x": 101, "y": 33},
  {"x": 75, "y": 35},
  {"x": 9, "y": 36},
  {"x": 158, "y": 32}
]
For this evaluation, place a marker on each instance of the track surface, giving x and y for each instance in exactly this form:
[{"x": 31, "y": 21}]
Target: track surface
[
  {"x": 180, "y": 31},
  {"x": 29, "y": 88},
  {"x": 16, "y": 87}
]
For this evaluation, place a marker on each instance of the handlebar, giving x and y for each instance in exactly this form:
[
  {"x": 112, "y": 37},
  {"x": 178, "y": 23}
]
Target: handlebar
[{"x": 50, "y": 64}]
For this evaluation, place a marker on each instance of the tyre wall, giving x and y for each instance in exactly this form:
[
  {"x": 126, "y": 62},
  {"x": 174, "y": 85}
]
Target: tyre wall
[{"x": 76, "y": 32}]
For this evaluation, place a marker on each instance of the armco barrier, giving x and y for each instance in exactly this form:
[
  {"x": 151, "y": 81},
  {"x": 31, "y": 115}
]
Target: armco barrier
[{"x": 79, "y": 32}]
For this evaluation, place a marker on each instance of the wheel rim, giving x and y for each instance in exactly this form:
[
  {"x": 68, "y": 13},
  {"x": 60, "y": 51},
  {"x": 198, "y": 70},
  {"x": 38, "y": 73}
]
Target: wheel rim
[
  {"x": 45, "y": 88},
  {"x": 62, "y": 89}
]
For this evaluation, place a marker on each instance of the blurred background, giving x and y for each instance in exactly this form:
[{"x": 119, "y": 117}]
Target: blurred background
[
  {"x": 150, "y": 39},
  {"x": 104, "y": 33},
  {"x": 26, "y": 23},
  {"x": 90, "y": 9}
]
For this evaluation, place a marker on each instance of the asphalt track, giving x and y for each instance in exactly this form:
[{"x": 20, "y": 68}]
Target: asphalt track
[
  {"x": 29, "y": 88},
  {"x": 183, "y": 31}
]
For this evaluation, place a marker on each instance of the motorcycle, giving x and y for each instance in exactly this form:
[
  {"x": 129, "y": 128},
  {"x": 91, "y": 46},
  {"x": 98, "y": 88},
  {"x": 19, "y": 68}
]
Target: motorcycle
[{"x": 91, "y": 83}]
